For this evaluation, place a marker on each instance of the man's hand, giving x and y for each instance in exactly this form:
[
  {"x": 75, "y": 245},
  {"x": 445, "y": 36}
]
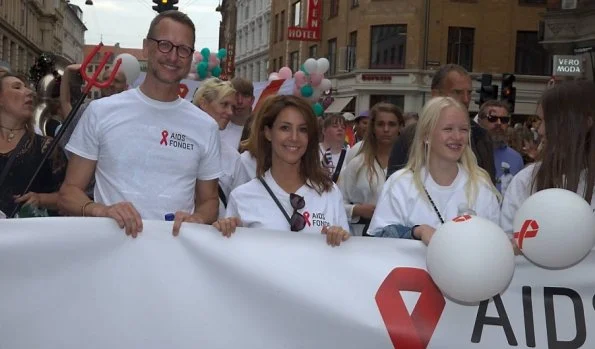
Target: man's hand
[
  {"x": 124, "y": 213},
  {"x": 185, "y": 217},
  {"x": 335, "y": 235},
  {"x": 227, "y": 226}
]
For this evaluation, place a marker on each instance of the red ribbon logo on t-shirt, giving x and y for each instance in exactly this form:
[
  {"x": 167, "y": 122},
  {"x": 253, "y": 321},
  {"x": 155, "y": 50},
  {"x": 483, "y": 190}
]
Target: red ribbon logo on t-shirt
[
  {"x": 307, "y": 218},
  {"x": 463, "y": 218},
  {"x": 529, "y": 229},
  {"x": 410, "y": 331},
  {"x": 183, "y": 90},
  {"x": 164, "y": 135}
]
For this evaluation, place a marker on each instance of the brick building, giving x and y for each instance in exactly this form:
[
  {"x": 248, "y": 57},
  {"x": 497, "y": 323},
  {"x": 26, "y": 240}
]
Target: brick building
[{"x": 387, "y": 49}]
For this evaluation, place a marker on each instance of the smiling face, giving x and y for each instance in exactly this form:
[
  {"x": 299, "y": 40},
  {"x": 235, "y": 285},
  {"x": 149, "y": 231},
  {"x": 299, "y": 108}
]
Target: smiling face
[
  {"x": 221, "y": 109},
  {"x": 288, "y": 136},
  {"x": 16, "y": 99},
  {"x": 168, "y": 68},
  {"x": 450, "y": 137}
]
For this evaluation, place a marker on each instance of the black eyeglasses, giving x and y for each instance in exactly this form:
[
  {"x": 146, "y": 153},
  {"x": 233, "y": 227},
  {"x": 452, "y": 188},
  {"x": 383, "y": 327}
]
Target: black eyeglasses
[
  {"x": 503, "y": 119},
  {"x": 297, "y": 220},
  {"x": 165, "y": 46}
]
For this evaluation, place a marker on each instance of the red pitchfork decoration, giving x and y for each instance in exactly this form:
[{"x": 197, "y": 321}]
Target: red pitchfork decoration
[{"x": 91, "y": 82}]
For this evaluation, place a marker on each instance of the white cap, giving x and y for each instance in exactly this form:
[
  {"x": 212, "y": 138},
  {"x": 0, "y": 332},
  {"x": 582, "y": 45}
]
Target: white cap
[{"x": 348, "y": 116}]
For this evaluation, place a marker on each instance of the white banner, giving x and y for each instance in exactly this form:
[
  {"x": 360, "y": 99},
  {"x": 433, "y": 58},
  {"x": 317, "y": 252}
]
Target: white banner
[{"x": 81, "y": 283}]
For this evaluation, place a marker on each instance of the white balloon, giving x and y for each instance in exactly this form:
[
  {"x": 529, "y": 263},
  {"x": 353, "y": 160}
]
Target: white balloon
[
  {"x": 325, "y": 85},
  {"x": 129, "y": 66},
  {"x": 556, "y": 228},
  {"x": 310, "y": 65},
  {"x": 274, "y": 76},
  {"x": 322, "y": 65},
  {"x": 470, "y": 259}
]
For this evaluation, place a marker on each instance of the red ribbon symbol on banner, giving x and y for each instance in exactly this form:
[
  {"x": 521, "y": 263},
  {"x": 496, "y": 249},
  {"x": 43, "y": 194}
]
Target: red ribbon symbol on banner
[
  {"x": 410, "y": 331},
  {"x": 307, "y": 217},
  {"x": 164, "y": 135},
  {"x": 183, "y": 90},
  {"x": 463, "y": 218},
  {"x": 525, "y": 233}
]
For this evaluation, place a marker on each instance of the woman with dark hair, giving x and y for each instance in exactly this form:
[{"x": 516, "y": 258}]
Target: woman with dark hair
[
  {"x": 362, "y": 179},
  {"x": 21, "y": 151},
  {"x": 567, "y": 157},
  {"x": 289, "y": 177}
]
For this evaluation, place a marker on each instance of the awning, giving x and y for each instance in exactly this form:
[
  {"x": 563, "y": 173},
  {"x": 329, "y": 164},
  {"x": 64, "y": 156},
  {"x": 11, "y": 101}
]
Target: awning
[{"x": 338, "y": 105}]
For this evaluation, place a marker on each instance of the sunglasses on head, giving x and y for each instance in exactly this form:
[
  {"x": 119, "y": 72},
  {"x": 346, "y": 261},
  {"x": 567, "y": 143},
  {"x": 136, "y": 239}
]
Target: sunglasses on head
[
  {"x": 503, "y": 119},
  {"x": 297, "y": 220}
]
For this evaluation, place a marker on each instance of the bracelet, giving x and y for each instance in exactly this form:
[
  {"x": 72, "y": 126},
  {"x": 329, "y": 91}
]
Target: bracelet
[
  {"x": 85, "y": 206},
  {"x": 413, "y": 235}
]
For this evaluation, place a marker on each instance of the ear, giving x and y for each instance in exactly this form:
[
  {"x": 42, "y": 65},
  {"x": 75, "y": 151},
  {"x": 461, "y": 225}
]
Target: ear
[
  {"x": 267, "y": 133},
  {"x": 145, "y": 47}
]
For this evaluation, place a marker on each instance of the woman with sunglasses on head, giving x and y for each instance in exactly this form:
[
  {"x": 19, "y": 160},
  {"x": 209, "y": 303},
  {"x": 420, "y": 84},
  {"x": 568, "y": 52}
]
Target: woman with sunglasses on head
[
  {"x": 567, "y": 158},
  {"x": 216, "y": 98},
  {"x": 441, "y": 180},
  {"x": 21, "y": 151},
  {"x": 292, "y": 191},
  {"x": 362, "y": 179}
]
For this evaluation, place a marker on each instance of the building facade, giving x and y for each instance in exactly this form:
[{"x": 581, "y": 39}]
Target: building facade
[
  {"x": 28, "y": 28},
  {"x": 73, "y": 40},
  {"x": 252, "y": 39},
  {"x": 227, "y": 36},
  {"x": 388, "y": 50}
]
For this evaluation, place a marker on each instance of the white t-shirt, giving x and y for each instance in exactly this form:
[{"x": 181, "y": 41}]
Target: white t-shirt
[
  {"x": 519, "y": 190},
  {"x": 148, "y": 152},
  {"x": 256, "y": 208},
  {"x": 352, "y": 152},
  {"x": 232, "y": 134},
  {"x": 356, "y": 188},
  {"x": 234, "y": 173},
  {"x": 401, "y": 203},
  {"x": 249, "y": 164}
]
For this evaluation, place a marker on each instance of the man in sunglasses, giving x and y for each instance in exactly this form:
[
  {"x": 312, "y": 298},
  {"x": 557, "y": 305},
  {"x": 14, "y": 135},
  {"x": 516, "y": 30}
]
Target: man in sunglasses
[
  {"x": 494, "y": 117},
  {"x": 152, "y": 153}
]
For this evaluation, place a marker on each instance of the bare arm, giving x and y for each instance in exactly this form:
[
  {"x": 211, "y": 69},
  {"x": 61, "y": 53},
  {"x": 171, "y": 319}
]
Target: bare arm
[
  {"x": 65, "y": 88},
  {"x": 206, "y": 207}
]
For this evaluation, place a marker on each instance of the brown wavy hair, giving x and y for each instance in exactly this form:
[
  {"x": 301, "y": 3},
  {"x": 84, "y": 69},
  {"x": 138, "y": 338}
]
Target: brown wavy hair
[
  {"x": 310, "y": 168},
  {"x": 569, "y": 150}
]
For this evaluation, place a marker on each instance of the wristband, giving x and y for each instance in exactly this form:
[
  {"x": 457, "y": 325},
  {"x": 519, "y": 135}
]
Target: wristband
[{"x": 85, "y": 206}]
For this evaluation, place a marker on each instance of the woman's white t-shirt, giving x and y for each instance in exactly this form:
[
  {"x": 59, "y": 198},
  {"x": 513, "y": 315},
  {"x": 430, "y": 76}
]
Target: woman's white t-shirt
[
  {"x": 249, "y": 163},
  {"x": 256, "y": 208},
  {"x": 234, "y": 173},
  {"x": 401, "y": 203}
]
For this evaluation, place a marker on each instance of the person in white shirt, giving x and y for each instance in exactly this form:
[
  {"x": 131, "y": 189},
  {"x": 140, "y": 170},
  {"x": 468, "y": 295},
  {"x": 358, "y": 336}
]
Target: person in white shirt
[
  {"x": 152, "y": 152},
  {"x": 567, "y": 159},
  {"x": 333, "y": 148},
  {"x": 441, "y": 180},
  {"x": 362, "y": 179},
  {"x": 291, "y": 192},
  {"x": 216, "y": 98},
  {"x": 241, "y": 112}
]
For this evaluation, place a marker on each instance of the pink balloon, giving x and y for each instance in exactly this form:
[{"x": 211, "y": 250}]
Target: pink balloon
[
  {"x": 213, "y": 61},
  {"x": 197, "y": 57},
  {"x": 285, "y": 73},
  {"x": 316, "y": 79},
  {"x": 192, "y": 76},
  {"x": 296, "y": 91},
  {"x": 300, "y": 78}
]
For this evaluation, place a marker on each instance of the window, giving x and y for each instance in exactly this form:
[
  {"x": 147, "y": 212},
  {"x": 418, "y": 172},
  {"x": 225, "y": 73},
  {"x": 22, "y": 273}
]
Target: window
[
  {"x": 296, "y": 13},
  {"x": 282, "y": 25},
  {"x": 313, "y": 51},
  {"x": 460, "y": 47},
  {"x": 276, "y": 28},
  {"x": 247, "y": 13},
  {"x": 334, "y": 9},
  {"x": 332, "y": 56},
  {"x": 281, "y": 63},
  {"x": 354, "y": 3},
  {"x": 274, "y": 65},
  {"x": 294, "y": 61},
  {"x": 389, "y": 44},
  {"x": 531, "y": 58},
  {"x": 351, "y": 50},
  {"x": 397, "y": 100},
  {"x": 533, "y": 2}
]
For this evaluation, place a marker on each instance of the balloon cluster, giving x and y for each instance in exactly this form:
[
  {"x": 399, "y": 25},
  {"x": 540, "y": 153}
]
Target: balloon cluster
[
  {"x": 207, "y": 63},
  {"x": 310, "y": 82}
]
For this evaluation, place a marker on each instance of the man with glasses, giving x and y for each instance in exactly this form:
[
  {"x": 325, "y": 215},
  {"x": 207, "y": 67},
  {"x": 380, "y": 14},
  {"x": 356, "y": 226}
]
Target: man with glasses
[
  {"x": 242, "y": 110},
  {"x": 152, "y": 152},
  {"x": 494, "y": 117},
  {"x": 451, "y": 80}
]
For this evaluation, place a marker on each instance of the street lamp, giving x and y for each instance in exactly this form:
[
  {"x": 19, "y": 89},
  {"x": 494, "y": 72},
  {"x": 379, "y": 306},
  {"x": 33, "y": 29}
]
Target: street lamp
[{"x": 89, "y": 2}]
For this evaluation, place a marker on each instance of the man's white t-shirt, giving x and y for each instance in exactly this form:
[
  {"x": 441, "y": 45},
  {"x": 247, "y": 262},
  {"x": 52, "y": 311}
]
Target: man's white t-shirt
[
  {"x": 232, "y": 134},
  {"x": 256, "y": 208},
  {"x": 519, "y": 190},
  {"x": 401, "y": 203},
  {"x": 234, "y": 173},
  {"x": 148, "y": 152}
]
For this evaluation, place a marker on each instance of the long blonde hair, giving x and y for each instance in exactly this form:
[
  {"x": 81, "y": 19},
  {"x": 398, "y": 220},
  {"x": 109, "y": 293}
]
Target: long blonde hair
[{"x": 419, "y": 155}]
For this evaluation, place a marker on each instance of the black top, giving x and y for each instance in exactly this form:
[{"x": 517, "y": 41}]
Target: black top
[{"x": 49, "y": 179}]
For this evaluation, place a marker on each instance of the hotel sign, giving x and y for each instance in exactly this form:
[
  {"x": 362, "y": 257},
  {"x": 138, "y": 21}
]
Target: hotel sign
[{"x": 311, "y": 32}]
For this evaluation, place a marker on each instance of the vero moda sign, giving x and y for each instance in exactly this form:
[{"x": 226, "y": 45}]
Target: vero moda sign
[{"x": 311, "y": 32}]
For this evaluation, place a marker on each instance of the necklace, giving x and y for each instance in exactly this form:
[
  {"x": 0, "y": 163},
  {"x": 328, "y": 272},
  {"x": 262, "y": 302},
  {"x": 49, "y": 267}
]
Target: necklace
[{"x": 11, "y": 135}]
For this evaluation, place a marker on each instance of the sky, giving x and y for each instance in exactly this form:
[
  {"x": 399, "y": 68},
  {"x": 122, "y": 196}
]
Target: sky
[{"x": 127, "y": 21}]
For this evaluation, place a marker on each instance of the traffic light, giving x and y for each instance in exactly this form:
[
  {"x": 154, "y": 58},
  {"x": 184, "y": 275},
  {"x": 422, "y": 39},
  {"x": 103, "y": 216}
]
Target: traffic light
[
  {"x": 508, "y": 90},
  {"x": 486, "y": 91},
  {"x": 164, "y": 5}
]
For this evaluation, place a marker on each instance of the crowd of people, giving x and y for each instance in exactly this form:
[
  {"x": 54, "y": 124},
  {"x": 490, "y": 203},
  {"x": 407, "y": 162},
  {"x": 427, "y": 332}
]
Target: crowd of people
[{"x": 147, "y": 154}]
